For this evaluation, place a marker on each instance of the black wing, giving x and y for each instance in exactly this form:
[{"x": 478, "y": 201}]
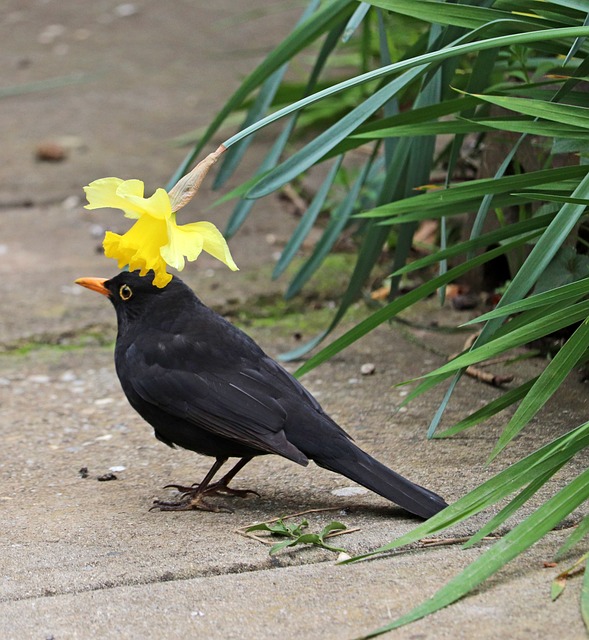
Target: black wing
[{"x": 235, "y": 396}]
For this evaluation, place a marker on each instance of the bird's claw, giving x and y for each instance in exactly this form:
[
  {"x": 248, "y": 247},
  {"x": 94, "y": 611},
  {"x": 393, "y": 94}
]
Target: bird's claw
[
  {"x": 213, "y": 489},
  {"x": 183, "y": 489},
  {"x": 240, "y": 493}
]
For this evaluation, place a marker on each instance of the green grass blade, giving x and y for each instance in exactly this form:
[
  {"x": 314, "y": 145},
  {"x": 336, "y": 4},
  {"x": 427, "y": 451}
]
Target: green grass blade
[
  {"x": 244, "y": 207},
  {"x": 485, "y": 240},
  {"x": 516, "y": 323},
  {"x": 563, "y": 113},
  {"x": 580, "y": 531},
  {"x": 489, "y": 410},
  {"x": 510, "y": 509},
  {"x": 515, "y": 542},
  {"x": 306, "y": 222},
  {"x": 396, "y": 306},
  {"x": 532, "y": 315},
  {"x": 419, "y": 168},
  {"x": 356, "y": 20},
  {"x": 551, "y": 196},
  {"x": 518, "y": 337},
  {"x": 551, "y": 456},
  {"x": 233, "y": 156},
  {"x": 423, "y": 387},
  {"x": 415, "y": 116},
  {"x": 436, "y": 128},
  {"x": 531, "y": 127},
  {"x": 470, "y": 192},
  {"x": 339, "y": 220},
  {"x": 560, "y": 295},
  {"x": 473, "y": 125},
  {"x": 435, "y": 421},
  {"x": 546, "y": 385},
  {"x": 577, "y": 44},
  {"x": 324, "y": 142},
  {"x": 372, "y": 242},
  {"x": 455, "y": 208},
  {"x": 458, "y": 15},
  {"x": 540, "y": 256},
  {"x": 585, "y": 596},
  {"x": 370, "y": 249}
]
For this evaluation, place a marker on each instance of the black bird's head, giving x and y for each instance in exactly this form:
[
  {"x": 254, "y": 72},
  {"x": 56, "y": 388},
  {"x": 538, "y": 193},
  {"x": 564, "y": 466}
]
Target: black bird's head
[{"x": 134, "y": 296}]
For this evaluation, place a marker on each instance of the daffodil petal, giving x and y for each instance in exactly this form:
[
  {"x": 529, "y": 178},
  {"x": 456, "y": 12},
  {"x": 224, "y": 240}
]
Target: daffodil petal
[
  {"x": 213, "y": 242},
  {"x": 162, "y": 278},
  {"x": 157, "y": 206},
  {"x": 181, "y": 242},
  {"x": 111, "y": 244},
  {"x": 106, "y": 193}
]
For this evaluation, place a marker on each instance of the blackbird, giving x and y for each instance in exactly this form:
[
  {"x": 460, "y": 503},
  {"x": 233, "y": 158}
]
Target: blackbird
[{"x": 206, "y": 386}]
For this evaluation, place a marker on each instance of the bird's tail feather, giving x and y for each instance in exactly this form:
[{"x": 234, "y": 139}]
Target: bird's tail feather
[{"x": 370, "y": 473}]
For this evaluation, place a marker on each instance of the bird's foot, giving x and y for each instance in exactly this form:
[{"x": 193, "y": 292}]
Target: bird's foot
[
  {"x": 196, "y": 502},
  {"x": 216, "y": 488},
  {"x": 240, "y": 493}
]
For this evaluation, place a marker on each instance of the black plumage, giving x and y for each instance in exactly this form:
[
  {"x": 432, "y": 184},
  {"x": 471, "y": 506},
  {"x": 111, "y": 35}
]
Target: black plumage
[{"x": 204, "y": 385}]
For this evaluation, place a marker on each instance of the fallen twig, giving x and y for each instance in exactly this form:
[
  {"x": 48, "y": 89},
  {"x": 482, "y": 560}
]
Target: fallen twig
[
  {"x": 494, "y": 379},
  {"x": 441, "y": 542}
]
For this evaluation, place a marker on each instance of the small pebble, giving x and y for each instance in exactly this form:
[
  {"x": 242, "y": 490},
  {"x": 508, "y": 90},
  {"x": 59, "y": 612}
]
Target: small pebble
[
  {"x": 367, "y": 369},
  {"x": 71, "y": 203},
  {"x": 50, "y": 152},
  {"x": 102, "y": 401},
  {"x": 50, "y": 33},
  {"x": 126, "y": 9},
  {"x": 106, "y": 477},
  {"x": 349, "y": 491},
  {"x": 96, "y": 230},
  {"x": 83, "y": 472},
  {"x": 39, "y": 379}
]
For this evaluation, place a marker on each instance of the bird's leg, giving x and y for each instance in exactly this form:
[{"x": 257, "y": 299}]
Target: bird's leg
[
  {"x": 221, "y": 486},
  {"x": 195, "y": 495}
]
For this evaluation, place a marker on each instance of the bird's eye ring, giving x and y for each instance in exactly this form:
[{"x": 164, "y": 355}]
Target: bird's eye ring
[{"x": 125, "y": 292}]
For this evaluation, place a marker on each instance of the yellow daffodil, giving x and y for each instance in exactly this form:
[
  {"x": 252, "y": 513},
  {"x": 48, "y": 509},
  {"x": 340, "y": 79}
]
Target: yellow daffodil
[{"x": 155, "y": 240}]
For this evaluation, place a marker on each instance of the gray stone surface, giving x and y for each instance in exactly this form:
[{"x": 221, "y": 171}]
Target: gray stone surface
[{"x": 81, "y": 558}]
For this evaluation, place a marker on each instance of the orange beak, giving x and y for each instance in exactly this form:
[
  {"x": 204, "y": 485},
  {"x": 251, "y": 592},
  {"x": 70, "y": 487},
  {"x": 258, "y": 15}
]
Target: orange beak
[{"x": 96, "y": 284}]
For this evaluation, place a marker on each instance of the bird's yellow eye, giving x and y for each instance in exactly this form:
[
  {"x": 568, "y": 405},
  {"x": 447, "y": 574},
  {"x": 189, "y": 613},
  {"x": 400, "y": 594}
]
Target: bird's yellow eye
[{"x": 125, "y": 292}]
